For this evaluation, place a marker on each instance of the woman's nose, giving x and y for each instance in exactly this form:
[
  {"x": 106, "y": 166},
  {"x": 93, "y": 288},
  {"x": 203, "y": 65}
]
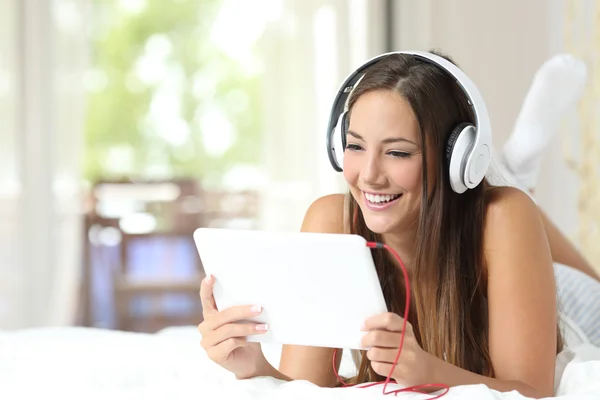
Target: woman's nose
[{"x": 372, "y": 172}]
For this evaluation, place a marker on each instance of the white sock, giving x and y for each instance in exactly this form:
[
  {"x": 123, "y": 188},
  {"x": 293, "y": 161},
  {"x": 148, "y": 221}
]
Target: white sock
[
  {"x": 500, "y": 175},
  {"x": 556, "y": 87}
]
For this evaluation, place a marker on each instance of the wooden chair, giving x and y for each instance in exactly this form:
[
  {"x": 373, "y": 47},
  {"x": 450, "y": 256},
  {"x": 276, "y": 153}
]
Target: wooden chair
[
  {"x": 178, "y": 208},
  {"x": 172, "y": 210},
  {"x": 226, "y": 209}
]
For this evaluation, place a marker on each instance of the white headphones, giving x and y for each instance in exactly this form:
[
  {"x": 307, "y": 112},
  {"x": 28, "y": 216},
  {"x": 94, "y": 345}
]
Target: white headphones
[{"x": 468, "y": 151}]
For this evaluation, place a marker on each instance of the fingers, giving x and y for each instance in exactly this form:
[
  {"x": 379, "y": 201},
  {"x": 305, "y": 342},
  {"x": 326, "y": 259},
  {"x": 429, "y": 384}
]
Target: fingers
[
  {"x": 381, "y": 354},
  {"x": 222, "y": 351},
  {"x": 214, "y": 319},
  {"x": 209, "y": 307},
  {"x": 230, "y": 315},
  {"x": 384, "y": 339},
  {"x": 382, "y": 368},
  {"x": 229, "y": 331},
  {"x": 387, "y": 321}
]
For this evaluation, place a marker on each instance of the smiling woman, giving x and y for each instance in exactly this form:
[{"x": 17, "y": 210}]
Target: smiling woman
[{"x": 477, "y": 259}]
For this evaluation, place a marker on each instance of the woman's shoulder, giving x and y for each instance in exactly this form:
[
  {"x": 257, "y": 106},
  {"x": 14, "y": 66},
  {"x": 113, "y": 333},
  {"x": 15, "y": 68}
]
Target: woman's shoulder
[
  {"x": 513, "y": 223},
  {"x": 504, "y": 201},
  {"x": 325, "y": 214}
]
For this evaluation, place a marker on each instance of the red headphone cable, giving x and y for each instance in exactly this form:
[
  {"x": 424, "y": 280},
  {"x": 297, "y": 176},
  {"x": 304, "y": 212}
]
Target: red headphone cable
[{"x": 376, "y": 245}]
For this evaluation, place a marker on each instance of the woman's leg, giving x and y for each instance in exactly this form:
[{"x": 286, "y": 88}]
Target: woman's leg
[
  {"x": 563, "y": 250},
  {"x": 557, "y": 86}
]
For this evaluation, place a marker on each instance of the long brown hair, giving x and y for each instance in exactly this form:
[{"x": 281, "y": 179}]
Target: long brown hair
[{"x": 449, "y": 308}]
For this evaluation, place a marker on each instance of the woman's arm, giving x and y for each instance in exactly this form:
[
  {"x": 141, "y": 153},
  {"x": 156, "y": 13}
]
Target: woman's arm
[
  {"x": 521, "y": 297},
  {"x": 452, "y": 375}
]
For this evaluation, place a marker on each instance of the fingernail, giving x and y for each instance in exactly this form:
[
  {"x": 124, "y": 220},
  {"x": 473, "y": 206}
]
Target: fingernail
[
  {"x": 208, "y": 279},
  {"x": 262, "y": 327},
  {"x": 363, "y": 326},
  {"x": 256, "y": 309}
]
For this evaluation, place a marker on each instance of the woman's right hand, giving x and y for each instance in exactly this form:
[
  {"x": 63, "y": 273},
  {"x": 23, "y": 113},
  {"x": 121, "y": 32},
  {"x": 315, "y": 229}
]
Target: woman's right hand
[{"x": 224, "y": 337}]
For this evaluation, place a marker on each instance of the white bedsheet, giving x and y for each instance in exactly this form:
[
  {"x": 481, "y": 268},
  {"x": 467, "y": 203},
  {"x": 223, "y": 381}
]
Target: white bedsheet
[{"x": 79, "y": 363}]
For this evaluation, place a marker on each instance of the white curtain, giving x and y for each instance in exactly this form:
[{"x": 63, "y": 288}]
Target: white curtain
[
  {"x": 581, "y": 145},
  {"x": 308, "y": 52},
  {"x": 10, "y": 282},
  {"x": 42, "y": 48}
]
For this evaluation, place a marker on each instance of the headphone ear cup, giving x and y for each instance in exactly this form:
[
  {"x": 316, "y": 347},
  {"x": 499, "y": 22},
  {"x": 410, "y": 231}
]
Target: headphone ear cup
[
  {"x": 460, "y": 142},
  {"x": 452, "y": 140},
  {"x": 345, "y": 122},
  {"x": 336, "y": 144}
]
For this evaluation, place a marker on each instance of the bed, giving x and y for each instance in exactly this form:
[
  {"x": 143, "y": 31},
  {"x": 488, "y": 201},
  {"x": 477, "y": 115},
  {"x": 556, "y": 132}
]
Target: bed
[{"x": 87, "y": 363}]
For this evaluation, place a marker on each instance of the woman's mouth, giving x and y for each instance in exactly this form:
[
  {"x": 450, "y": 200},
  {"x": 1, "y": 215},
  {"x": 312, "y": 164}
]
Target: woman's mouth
[{"x": 378, "y": 202}]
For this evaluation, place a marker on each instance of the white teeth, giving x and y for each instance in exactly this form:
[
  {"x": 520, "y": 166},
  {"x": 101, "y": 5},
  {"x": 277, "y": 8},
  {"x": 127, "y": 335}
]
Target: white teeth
[{"x": 381, "y": 198}]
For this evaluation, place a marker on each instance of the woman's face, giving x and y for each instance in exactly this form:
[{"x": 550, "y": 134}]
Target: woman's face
[{"x": 382, "y": 161}]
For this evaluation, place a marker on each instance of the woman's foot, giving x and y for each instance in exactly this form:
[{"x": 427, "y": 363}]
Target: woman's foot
[{"x": 556, "y": 88}]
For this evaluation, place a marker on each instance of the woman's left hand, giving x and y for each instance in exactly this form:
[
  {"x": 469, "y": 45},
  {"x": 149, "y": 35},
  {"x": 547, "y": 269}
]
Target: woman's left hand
[{"x": 414, "y": 366}]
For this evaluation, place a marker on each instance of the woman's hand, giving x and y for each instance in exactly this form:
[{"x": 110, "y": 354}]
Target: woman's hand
[
  {"x": 415, "y": 365},
  {"x": 224, "y": 338}
]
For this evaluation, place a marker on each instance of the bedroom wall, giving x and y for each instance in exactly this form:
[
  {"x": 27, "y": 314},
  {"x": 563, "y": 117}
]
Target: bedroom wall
[{"x": 501, "y": 45}]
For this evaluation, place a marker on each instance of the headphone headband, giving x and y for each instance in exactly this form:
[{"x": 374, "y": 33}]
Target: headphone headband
[{"x": 479, "y": 155}]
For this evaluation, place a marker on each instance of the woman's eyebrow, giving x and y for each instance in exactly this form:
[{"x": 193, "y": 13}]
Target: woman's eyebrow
[{"x": 386, "y": 140}]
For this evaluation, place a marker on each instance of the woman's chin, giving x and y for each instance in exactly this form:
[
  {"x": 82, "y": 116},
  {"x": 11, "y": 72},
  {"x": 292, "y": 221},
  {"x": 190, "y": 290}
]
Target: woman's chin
[{"x": 378, "y": 226}]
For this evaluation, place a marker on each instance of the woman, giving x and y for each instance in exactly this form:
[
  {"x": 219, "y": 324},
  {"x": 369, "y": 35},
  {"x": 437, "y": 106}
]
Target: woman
[{"x": 480, "y": 264}]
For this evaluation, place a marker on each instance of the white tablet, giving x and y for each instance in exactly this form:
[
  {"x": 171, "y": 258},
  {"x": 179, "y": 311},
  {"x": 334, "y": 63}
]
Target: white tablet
[{"x": 316, "y": 289}]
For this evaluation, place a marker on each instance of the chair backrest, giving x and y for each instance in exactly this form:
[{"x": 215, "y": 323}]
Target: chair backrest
[{"x": 225, "y": 209}]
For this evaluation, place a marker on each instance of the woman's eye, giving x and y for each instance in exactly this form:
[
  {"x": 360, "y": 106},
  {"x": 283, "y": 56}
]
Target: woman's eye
[
  {"x": 399, "y": 154},
  {"x": 353, "y": 147}
]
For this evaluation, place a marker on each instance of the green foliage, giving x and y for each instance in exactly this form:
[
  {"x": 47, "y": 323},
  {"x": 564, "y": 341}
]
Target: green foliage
[{"x": 123, "y": 138}]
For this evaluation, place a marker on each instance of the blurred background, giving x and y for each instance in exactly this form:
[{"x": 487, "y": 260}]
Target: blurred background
[{"x": 127, "y": 124}]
